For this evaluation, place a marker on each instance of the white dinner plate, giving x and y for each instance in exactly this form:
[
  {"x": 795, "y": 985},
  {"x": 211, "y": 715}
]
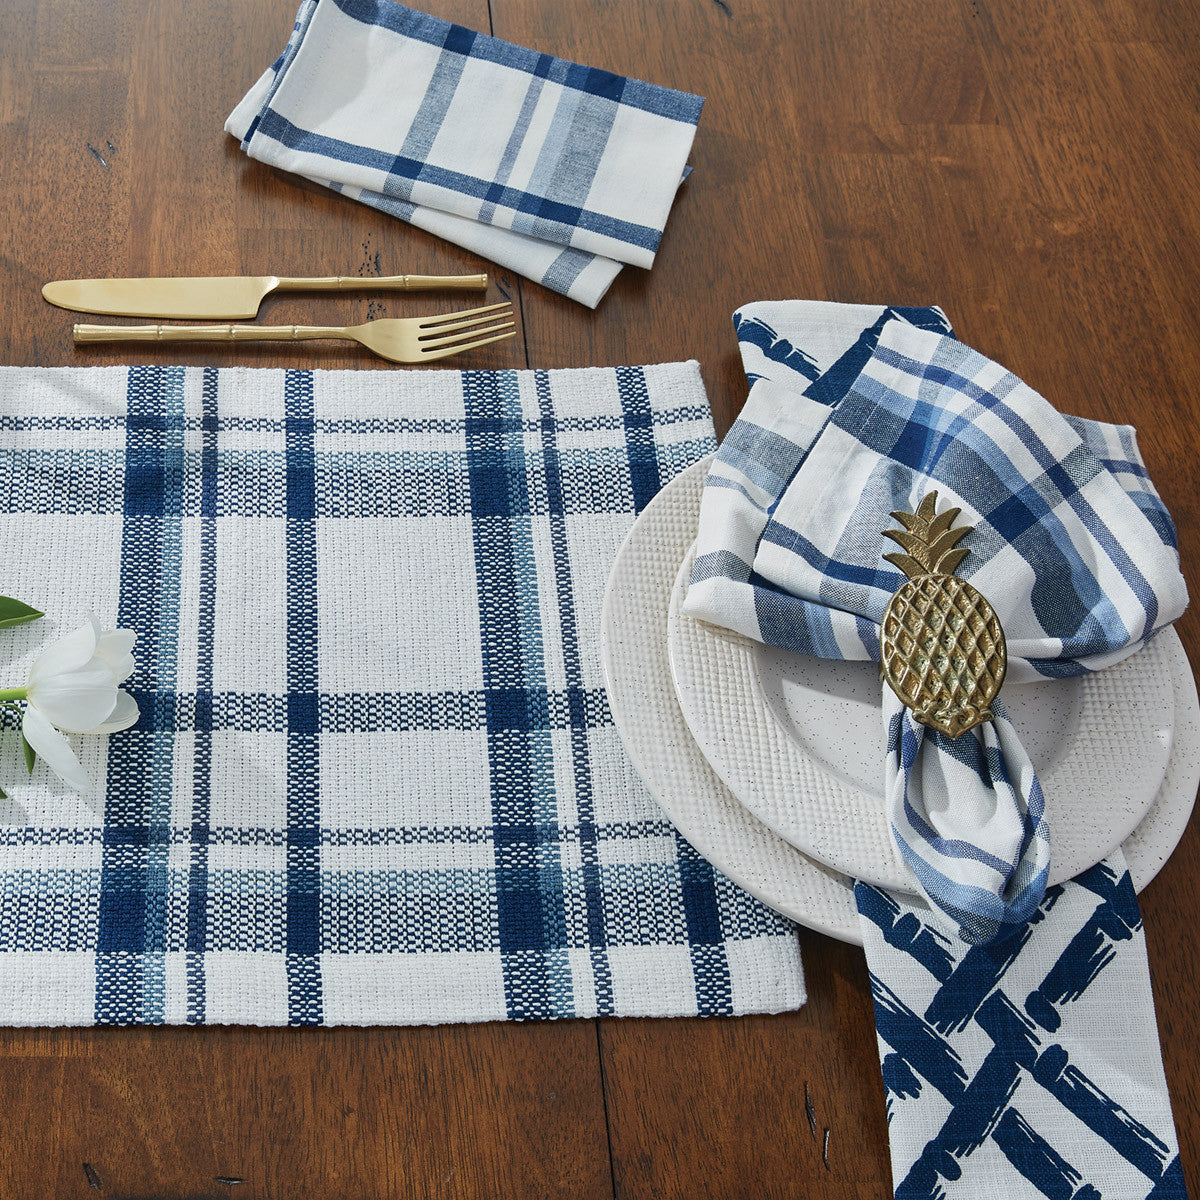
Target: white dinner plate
[
  {"x": 800, "y": 742},
  {"x": 647, "y": 714}
]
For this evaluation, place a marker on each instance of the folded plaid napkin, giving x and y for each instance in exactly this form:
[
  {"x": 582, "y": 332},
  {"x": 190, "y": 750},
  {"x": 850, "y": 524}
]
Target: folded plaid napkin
[
  {"x": 1071, "y": 546},
  {"x": 375, "y": 780},
  {"x": 558, "y": 171}
]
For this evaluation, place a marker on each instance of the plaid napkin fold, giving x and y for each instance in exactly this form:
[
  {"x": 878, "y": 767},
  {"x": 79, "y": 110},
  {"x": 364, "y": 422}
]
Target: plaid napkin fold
[
  {"x": 375, "y": 779},
  {"x": 560, "y": 172},
  {"x": 1071, "y": 546}
]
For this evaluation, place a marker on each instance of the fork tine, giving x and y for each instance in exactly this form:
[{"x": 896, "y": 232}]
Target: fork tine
[
  {"x": 467, "y": 346},
  {"x": 432, "y": 323},
  {"x": 427, "y": 335},
  {"x": 460, "y": 335}
]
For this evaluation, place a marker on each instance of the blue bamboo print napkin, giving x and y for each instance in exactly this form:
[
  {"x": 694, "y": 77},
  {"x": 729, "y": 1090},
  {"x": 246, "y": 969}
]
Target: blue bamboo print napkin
[
  {"x": 560, "y": 172},
  {"x": 1029, "y": 1068},
  {"x": 375, "y": 780}
]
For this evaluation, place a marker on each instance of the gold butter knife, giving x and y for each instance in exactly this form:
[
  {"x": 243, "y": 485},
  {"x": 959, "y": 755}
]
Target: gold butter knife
[{"x": 229, "y": 297}]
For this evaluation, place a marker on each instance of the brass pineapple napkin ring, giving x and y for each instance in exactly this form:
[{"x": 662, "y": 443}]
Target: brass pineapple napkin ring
[{"x": 942, "y": 646}]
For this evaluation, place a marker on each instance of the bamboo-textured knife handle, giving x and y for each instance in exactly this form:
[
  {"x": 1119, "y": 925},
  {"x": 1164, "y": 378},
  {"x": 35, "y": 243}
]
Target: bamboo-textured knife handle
[
  {"x": 204, "y": 333},
  {"x": 394, "y": 283}
]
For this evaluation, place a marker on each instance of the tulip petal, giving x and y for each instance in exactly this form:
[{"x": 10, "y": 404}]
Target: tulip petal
[
  {"x": 115, "y": 649},
  {"x": 67, "y": 654},
  {"x": 76, "y": 702},
  {"x": 55, "y": 751},
  {"x": 125, "y": 714}
]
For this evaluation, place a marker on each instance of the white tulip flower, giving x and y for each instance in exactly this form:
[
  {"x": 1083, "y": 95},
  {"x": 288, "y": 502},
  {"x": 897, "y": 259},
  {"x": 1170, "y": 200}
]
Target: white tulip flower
[{"x": 74, "y": 685}]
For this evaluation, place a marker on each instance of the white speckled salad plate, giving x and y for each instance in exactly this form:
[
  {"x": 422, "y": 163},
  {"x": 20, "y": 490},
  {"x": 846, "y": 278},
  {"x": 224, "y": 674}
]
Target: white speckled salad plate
[{"x": 643, "y": 589}]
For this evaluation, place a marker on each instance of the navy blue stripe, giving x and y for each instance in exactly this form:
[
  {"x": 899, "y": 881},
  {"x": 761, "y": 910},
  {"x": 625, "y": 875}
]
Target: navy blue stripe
[
  {"x": 836, "y": 382},
  {"x": 20, "y": 423},
  {"x": 529, "y": 929},
  {"x": 644, "y": 477},
  {"x": 1037, "y": 1160},
  {"x": 130, "y": 917},
  {"x": 537, "y": 707},
  {"x": 365, "y": 482},
  {"x": 303, "y": 737},
  {"x": 1171, "y": 1185},
  {"x": 918, "y": 1044},
  {"x": 197, "y": 917},
  {"x": 649, "y": 97},
  {"x": 580, "y": 741},
  {"x": 706, "y": 940},
  {"x": 903, "y": 931},
  {"x": 413, "y": 170}
]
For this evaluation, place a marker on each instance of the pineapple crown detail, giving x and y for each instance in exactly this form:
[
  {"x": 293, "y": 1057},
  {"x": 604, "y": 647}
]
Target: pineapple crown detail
[{"x": 931, "y": 546}]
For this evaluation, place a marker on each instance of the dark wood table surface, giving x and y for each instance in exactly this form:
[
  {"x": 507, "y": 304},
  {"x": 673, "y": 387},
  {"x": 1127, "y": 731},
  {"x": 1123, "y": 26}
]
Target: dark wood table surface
[{"x": 1030, "y": 165}]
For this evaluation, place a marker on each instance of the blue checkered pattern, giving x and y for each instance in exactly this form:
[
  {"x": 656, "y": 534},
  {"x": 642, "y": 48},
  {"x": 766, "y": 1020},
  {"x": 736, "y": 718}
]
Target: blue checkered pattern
[
  {"x": 856, "y": 412},
  {"x": 1029, "y": 1068},
  {"x": 375, "y": 780},
  {"x": 559, "y": 171}
]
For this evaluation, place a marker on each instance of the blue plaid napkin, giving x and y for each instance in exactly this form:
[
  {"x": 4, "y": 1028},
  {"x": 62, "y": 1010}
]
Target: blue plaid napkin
[
  {"x": 376, "y": 780},
  {"x": 1071, "y": 545},
  {"x": 558, "y": 171}
]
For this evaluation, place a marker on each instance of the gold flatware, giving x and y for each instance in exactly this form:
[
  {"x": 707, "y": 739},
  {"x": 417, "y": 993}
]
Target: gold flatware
[
  {"x": 232, "y": 297},
  {"x": 398, "y": 339}
]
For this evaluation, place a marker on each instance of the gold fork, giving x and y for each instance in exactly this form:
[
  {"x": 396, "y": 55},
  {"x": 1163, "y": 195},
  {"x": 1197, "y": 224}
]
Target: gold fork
[{"x": 406, "y": 340}]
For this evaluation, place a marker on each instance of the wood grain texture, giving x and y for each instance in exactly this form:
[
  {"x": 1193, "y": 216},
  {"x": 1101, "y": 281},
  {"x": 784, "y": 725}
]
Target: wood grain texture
[{"x": 1032, "y": 166}]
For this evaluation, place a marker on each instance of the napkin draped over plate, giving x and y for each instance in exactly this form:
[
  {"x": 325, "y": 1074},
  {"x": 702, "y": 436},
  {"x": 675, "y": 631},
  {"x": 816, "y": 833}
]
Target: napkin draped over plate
[
  {"x": 857, "y": 412},
  {"x": 558, "y": 171},
  {"x": 1028, "y": 1066}
]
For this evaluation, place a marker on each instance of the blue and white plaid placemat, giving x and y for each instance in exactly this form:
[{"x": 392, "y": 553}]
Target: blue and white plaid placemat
[
  {"x": 375, "y": 781},
  {"x": 559, "y": 171}
]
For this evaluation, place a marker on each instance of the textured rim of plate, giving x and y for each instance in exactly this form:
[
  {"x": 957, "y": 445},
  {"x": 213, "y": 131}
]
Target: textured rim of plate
[
  {"x": 719, "y": 684},
  {"x": 647, "y": 715}
]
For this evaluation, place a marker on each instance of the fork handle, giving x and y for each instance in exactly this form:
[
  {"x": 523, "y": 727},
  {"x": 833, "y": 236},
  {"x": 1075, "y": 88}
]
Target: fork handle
[
  {"x": 392, "y": 283},
  {"x": 206, "y": 333}
]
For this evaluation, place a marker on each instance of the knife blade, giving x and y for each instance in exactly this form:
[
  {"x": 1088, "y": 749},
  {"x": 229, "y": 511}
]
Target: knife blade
[{"x": 229, "y": 297}]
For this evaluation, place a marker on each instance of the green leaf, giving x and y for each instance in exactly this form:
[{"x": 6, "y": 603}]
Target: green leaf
[
  {"x": 3, "y": 794},
  {"x": 30, "y": 753},
  {"x": 15, "y": 612}
]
